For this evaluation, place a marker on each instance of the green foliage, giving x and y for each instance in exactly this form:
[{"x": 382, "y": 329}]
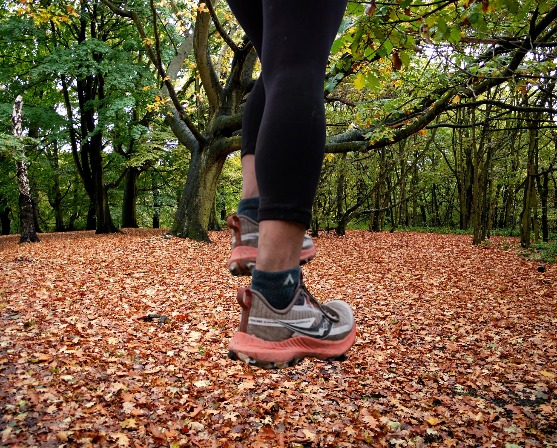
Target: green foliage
[
  {"x": 8, "y": 184},
  {"x": 387, "y": 61},
  {"x": 11, "y": 146},
  {"x": 229, "y": 188},
  {"x": 542, "y": 252}
]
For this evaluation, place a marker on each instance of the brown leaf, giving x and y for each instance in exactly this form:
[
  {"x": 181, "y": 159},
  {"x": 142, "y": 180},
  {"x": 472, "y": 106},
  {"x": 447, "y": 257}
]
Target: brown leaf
[
  {"x": 157, "y": 434},
  {"x": 370, "y": 9},
  {"x": 397, "y": 62}
]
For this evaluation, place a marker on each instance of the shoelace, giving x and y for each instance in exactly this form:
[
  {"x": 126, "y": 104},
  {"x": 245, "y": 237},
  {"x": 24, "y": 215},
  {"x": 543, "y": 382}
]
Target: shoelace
[{"x": 331, "y": 315}]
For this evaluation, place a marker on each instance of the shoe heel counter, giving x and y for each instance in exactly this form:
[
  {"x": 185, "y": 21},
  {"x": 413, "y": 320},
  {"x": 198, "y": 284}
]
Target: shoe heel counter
[
  {"x": 233, "y": 222},
  {"x": 244, "y": 299}
]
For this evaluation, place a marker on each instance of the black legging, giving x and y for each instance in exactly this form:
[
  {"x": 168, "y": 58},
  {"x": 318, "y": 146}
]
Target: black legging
[{"x": 284, "y": 118}]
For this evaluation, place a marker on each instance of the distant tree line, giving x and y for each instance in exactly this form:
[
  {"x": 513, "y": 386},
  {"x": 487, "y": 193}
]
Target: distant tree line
[{"x": 440, "y": 115}]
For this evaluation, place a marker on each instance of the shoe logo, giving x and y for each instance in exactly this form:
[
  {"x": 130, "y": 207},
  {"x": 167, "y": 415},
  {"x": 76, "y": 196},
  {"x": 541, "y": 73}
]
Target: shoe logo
[
  {"x": 289, "y": 280},
  {"x": 320, "y": 331}
]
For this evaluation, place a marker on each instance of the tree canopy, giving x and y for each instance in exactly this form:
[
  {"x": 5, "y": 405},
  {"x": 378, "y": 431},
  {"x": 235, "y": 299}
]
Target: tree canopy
[{"x": 440, "y": 113}]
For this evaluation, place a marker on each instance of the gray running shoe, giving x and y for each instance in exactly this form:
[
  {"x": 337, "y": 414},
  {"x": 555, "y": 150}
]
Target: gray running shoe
[
  {"x": 274, "y": 339},
  {"x": 245, "y": 239}
]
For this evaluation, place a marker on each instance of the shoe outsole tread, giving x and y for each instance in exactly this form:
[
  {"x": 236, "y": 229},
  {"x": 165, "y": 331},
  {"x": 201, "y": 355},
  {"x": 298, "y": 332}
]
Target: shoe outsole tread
[
  {"x": 269, "y": 365},
  {"x": 278, "y": 355}
]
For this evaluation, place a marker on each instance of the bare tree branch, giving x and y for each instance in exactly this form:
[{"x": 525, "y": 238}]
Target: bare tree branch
[
  {"x": 220, "y": 29},
  {"x": 207, "y": 73},
  {"x": 132, "y": 15}
]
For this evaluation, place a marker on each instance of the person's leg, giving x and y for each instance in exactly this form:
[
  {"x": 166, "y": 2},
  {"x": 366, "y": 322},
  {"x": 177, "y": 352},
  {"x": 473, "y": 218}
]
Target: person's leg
[
  {"x": 251, "y": 122},
  {"x": 245, "y": 223},
  {"x": 250, "y": 18},
  {"x": 297, "y": 37},
  {"x": 249, "y": 181},
  {"x": 281, "y": 322}
]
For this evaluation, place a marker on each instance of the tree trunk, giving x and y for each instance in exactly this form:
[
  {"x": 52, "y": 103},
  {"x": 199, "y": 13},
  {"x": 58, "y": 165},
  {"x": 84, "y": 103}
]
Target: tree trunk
[
  {"x": 423, "y": 212},
  {"x": 376, "y": 218},
  {"x": 414, "y": 195},
  {"x": 340, "y": 197},
  {"x": 33, "y": 132},
  {"x": 535, "y": 217},
  {"x": 554, "y": 180},
  {"x": 543, "y": 188},
  {"x": 87, "y": 153},
  {"x": 198, "y": 195},
  {"x": 5, "y": 222},
  {"x": 35, "y": 205},
  {"x": 26, "y": 215},
  {"x": 389, "y": 201},
  {"x": 55, "y": 196},
  {"x": 104, "y": 222},
  {"x": 435, "y": 207},
  {"x": 491, "y": 208},
  {"x": 403, "y": 206},
  {"x": 509, "y": 217},
  {"x": 374, "y": 221},
  {"x": 464, "y": 170},
  {"x": 482, "y": 185},
  {"x": 213, "y": 220},
  {"x": 26, "y": 218},
  {"x": 91, "y": 215},
  {"x": 529, "y": 187},
  {"x": 129, "y": 203},
  {"x": 156, "y": 203}
]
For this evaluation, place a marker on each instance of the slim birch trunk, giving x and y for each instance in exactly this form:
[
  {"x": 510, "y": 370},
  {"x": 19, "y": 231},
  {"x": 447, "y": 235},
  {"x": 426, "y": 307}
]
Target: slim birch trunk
[{"x": 28, "y": 233}]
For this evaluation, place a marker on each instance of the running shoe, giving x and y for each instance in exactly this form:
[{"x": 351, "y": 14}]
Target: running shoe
[
  {"x": 273, "y": 339},
  {"x": 245, "y": 239}
]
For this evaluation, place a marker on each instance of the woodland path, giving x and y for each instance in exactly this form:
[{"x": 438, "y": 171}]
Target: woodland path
[{"x": 456, "y": 346}]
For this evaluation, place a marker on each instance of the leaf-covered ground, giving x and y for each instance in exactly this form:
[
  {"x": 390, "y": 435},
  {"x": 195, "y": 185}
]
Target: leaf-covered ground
[{"x": 456, "y": 346}]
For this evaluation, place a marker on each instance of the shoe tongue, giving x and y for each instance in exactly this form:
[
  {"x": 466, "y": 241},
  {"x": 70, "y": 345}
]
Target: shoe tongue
[
  {"x": 302, "y": 293},
  {"x": 300, "y": 299}
]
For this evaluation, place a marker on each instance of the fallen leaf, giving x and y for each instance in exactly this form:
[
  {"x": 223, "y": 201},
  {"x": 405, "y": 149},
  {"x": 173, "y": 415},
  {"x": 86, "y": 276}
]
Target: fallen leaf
[
  {"x": 433, "y": 421},
  {"x": 129, "y": 423}
]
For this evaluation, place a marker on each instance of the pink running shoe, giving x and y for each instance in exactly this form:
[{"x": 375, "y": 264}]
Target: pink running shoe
[
  {"x": 274, "y": 339},
  {"x": 245, "y": 239}
]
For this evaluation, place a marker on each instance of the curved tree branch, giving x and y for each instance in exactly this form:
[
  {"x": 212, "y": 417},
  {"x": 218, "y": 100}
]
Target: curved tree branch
[
  {"x": 132, "y": 15},
  {"x": 354, "y": 140},
  {"x": 207, "y": 73},
  {"x": 220, "y": 29},
  {"x": 502, "y": 105}
]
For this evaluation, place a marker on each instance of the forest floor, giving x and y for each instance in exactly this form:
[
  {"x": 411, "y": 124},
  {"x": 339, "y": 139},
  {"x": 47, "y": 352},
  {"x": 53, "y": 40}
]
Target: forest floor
[{"x": 456, "y": 346}]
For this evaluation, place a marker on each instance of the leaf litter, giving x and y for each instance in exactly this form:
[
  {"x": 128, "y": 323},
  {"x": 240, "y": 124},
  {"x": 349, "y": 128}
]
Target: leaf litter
[{"x": 456, "y": 346}]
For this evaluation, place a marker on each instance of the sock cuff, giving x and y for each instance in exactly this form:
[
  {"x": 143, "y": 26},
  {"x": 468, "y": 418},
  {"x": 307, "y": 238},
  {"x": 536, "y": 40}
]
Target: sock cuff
[
  {"x": 277, "y": 287},
  {"x": 249, "y": 207}
]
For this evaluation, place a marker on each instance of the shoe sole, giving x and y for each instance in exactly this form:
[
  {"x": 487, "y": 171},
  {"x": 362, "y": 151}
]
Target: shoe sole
[
  {"x": 278, "y": 355},
  {"x": 242, "y": 260}
]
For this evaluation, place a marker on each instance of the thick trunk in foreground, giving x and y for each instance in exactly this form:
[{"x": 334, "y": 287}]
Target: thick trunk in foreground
[{"x": 197, "y": 200}]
